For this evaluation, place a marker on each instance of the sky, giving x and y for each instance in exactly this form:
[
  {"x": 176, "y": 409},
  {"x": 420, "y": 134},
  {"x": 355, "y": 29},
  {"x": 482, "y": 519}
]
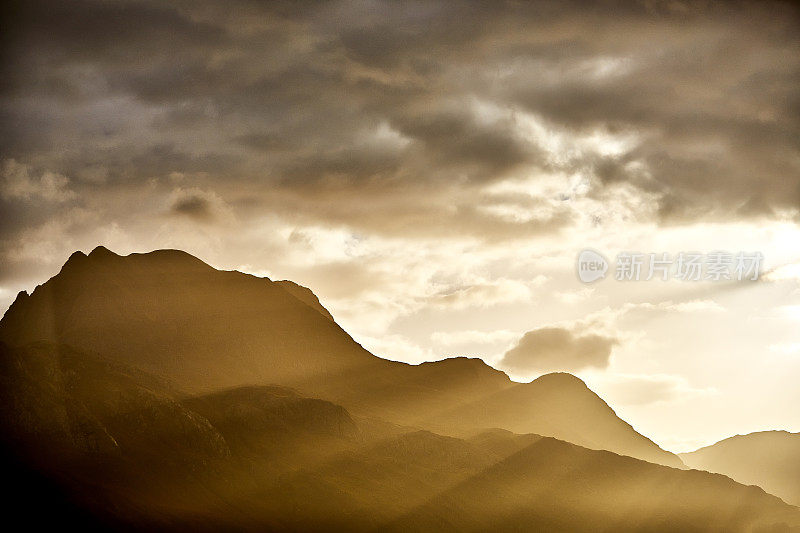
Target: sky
[{"x": 431, "y": 170}]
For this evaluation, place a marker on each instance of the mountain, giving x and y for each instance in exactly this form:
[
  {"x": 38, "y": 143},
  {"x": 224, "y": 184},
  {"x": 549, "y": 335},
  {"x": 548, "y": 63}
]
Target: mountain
[
  {"x": 305, "y": 295},
  {"x": 561, "y": 405},
  {"x": 171, "y": 315},
  {"x": 422, "y": 481},
  {"x": 108, "y": 444},
  {"x": 769, "y": 459},
  {"x": 275, "y": 422},
  {"x": 58, "y": 402},
  {"x": 83, "y": 437},
  {"x": 551, "y": 485},
  {"x": 114, "y": 447}
]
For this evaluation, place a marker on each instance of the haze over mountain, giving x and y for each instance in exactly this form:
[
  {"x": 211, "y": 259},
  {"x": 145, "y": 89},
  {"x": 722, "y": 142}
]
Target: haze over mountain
[
  {"x": 152, "y": 391},
  {"x": 432, "y": 172},
  {"x": 432, "y": 177},
  {"x": 119, "y": 446},
  {"x": 769, "y": 459},
  {"x": 169, "y": 314}
]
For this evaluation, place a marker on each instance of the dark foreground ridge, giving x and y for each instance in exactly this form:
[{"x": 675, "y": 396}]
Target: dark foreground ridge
[{"x": 99, "y": 443}]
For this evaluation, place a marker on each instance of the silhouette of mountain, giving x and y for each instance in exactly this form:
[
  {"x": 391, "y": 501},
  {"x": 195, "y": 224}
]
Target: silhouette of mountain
[
  {"x": 769, "y": 459},
  {"x": 169, "y": 314},
  {"x": 122, "y": 450}
]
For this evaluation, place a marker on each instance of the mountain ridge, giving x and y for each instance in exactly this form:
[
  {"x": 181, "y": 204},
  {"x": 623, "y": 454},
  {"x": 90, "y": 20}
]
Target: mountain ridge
[
  {"x": 769, "y": 459},
  {"x": 268, "y": 458},
  {"x": 171, "y": 314}
]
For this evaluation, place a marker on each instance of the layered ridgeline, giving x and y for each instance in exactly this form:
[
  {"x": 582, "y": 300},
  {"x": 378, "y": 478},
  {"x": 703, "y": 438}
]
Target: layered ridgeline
[
  {"x": 109, "y": 445},
  {"x": 769, "y": 459},
  {"x": 173, "y": 316}
]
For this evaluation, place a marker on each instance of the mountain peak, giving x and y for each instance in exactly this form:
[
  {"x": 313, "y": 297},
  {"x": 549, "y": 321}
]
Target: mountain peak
[
  {"x": 769, "y": 459},
  {"x": 464, "y": 366},
  {"x": 560, "y": 379},
  {"x": 459, "y": 360},
  {"x": 169, "y": 313},
  {"x": 752, "y": 437},
  {"x": 76, "y": 258},
  {"x": 163, "y": 258},
  {"x": 100, "y": 252},
  {"x": 170, "y": 256},
  {"x": 101, "y": 259},
  {"x": 22, "y": 296}
]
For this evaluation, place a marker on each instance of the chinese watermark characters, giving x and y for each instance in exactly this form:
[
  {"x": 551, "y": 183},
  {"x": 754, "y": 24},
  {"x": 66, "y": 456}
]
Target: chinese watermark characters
[{"x": 684, "y": 266}]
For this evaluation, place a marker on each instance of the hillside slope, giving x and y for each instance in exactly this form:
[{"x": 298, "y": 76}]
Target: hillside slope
[
  {"x": 769, "y": 459},
  {"x": 112, "y": 446}
]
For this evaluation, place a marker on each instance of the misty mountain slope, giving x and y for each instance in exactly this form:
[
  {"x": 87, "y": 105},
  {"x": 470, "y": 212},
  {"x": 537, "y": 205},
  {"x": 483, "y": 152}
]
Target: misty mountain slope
[
  {"x": 169, "y": 314},
  {"x": 103, "y": 439},
  {"x": 769, "y": 459},
  {"x": 72, "y": 403},
  {"x": 266, "y": 458},
  {"x": 270, "y": 421},
  {"x": 305, "y": 295},
  {"x": 552, "y": 485},
  {"x": 560, "y": 405},
  {"x": 375, "y": 484},
  {"x": 118, "y": 445},
  {"x": 498, "y": 481},
  {"x": 411, "y": 394}
]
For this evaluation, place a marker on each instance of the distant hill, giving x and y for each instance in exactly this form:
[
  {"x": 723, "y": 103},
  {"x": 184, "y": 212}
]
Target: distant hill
[
  {"x": 169, "y": 314},
  {"x": 562, "y": 406},
  {"x": 551, "y": 485},
  {"x": 769, "y": 459}
]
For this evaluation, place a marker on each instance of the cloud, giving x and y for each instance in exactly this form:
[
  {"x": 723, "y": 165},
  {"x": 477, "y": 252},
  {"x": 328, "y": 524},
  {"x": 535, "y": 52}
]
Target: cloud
[
  {"x": 485, "y": 293},
  {"x": 456, "y": 338},
  {"x": 789, "y": 271},
  {"x": 21, "y": 181},
  {"x": 552, "y": 349},
  {"x": 574, "y": 297},
  {"x": 786, "y": 348},
  {"x": 288, "y": 103},
  {"x": 202, "y": 206},
  {"x": 631, "y": 309},
  {"x": 693, "y": 306},
  {"x": 645, "y": 389},
  {"x": 417, "y": 164},
  {"x": 397, "y": 348}
]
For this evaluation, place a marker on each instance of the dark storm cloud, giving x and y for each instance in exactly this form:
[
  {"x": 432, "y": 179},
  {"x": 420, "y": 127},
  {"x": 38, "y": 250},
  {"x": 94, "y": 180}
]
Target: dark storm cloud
[
  {"x": 392, "y": 117},
  {"x": 454, "y": 140},
  {"x": 194, "y": 206},
  {"x": 558, "y": 349},
  {"x": 727, "y": 82},
  {"x": 106, "y": 31}
]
